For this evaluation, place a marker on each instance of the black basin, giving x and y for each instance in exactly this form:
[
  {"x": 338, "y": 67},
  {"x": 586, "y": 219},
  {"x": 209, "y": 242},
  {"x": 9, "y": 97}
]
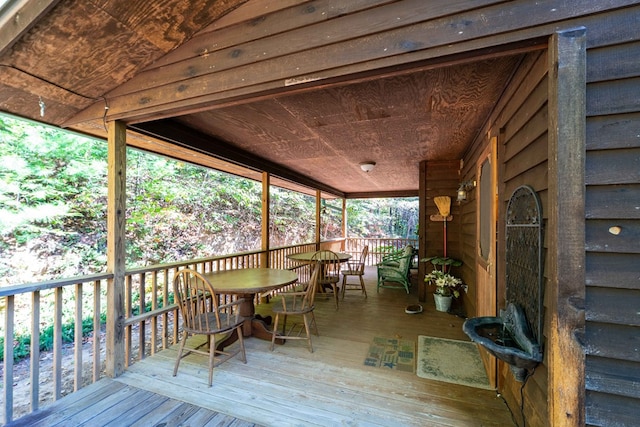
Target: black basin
[{"x": 506, "y": 337}]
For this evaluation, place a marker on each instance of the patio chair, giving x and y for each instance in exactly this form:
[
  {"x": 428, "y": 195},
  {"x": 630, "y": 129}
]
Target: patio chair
[
  {"x": 203, "y": 315},
  {"x": 395, "y": 269},
  {"x": 355, "y": 269},
  {"x": 329, "y": 275},
  {"x": 297, "y": 303}
]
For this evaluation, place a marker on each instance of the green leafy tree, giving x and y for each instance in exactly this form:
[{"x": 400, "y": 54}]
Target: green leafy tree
[
  {"x": 378, "y": 218},
  {"x": 53, "y": 198},
  {"x": 44, "y": 202}
]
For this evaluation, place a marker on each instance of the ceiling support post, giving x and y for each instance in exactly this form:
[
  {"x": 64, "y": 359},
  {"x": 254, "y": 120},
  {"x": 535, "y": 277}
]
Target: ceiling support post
[
  {"x": 566, "y": 272},
  {"x": 266, "y": 203},
  {"x": 116, "y": 221}
]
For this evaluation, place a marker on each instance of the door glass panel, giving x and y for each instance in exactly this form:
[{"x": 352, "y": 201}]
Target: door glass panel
[{"x": 485, "y": 210}]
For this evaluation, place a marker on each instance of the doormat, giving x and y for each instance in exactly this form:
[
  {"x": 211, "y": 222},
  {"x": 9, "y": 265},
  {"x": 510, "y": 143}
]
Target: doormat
[
  {"x": 392, "y": 353},
  {"x": 451, "y": 361}
]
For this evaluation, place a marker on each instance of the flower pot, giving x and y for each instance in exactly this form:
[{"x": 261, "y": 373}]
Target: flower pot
[{"x": 442, "y": 303}]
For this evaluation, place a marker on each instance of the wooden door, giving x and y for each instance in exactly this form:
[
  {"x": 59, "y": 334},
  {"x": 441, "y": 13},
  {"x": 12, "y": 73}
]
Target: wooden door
[{"x": 486, "y": 208}]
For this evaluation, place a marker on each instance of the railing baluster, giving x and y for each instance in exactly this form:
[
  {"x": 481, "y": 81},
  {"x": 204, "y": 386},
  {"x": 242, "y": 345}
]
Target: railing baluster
[
  {"x": 142, "y": 305},
  {"x": 57, "y": 344},
  {"x": 127, "y": 312},
  {"x": 154, "y": 306},
  {"x": 77, "y": 366},
  {"x": 8, "y": 358},
  {"x": 165, "y": 302},
  {"x": 176, "y": 320},
  {"x": 96, "y": 330},
  {"x": 35, "y": 350}
]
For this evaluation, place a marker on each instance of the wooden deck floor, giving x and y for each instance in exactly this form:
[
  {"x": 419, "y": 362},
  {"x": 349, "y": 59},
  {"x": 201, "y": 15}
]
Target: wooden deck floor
[{"x": 290, "y": 386}]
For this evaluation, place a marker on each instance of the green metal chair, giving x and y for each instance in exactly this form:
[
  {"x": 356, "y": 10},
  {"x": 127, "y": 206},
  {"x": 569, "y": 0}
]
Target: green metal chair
[{"x": 395, "y": 269}]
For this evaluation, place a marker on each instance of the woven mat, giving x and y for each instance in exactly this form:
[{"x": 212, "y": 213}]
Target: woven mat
[
  {"x": 451, "y": 361},
  {"x": 392, "y": 353}
]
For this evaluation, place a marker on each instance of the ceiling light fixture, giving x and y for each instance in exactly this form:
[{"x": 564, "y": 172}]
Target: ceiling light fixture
[{"x": 367, "y": 166}]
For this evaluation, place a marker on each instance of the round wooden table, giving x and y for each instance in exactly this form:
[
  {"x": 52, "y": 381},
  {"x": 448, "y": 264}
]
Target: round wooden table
[
  {"x": 306, "y": 256},
  {"x": 246, "y": 283}
]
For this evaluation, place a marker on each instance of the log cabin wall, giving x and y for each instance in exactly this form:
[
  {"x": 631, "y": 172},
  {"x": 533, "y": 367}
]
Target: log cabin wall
[
  {"x": 612, "y": 183},
  {"x": 612, "y": 180},
  {"x": 442, "y": 178},
  {"x": 468, "y": 236},
  {"x": 522, "y": 158},
  {"x": 520, "y": 124}
]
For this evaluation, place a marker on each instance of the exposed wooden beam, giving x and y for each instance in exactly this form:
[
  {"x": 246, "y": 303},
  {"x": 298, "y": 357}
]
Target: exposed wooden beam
[
  {"x": 287, "y": 29},
  {"x": 19, "y": 17},
  {"x": 262, "y": 67},
  {"x": 176, "y": 133}
]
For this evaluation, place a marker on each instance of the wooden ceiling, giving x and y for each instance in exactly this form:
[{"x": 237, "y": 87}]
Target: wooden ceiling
[{"x": 305, "y": 90}]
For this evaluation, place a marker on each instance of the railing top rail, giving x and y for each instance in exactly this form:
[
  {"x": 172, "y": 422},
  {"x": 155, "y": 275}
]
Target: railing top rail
[
  {"x": 279, "y": 248},
  {"x": 52, "y": 284},
  {"x": 55, "y": 283},
  {"x": 158, "y": 267}
]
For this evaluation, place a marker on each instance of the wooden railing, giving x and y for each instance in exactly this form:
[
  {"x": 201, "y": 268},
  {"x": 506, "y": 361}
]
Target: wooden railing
[
  {"x": 80, "y": 292},
  {"x": 151, "y": 318},
  {"x": 150, "y": 324},
  {"x": 378, "y": 248}
]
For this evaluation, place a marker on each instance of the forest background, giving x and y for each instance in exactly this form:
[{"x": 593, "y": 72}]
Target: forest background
[{"x": 53, "y": 195}]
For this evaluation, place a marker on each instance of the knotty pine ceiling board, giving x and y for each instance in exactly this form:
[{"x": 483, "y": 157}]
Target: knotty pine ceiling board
[
  {"x": 260, "y": 123},
  {"x": 104, "y": 52},
  {"x": 168, "y": 23},
  {"x": 107, "y": 42},
  {"x": 24, "y": 102},
  {"x": 396, "y": 122}
]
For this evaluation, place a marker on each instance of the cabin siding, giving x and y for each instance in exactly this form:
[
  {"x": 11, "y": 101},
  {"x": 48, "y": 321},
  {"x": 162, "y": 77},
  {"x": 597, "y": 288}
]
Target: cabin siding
[
  {"x": 442, "y": 180},
  {"x": 611, "y": 339},
  {"x": 523, "y": 158},
  {"x": 612, "y": 176},
  {"x": 520, "y": 121}
]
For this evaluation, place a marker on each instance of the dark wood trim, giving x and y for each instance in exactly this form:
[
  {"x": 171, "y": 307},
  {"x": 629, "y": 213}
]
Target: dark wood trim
[
  {"x": 350, "y": 74},
  {"x": 18, "y": 19},
  {"x": 171, "y": 131},
  {"x": 421, "y": 44},
  {"x": 567, "y": 123},
  {"x": 382, "y": 194}
]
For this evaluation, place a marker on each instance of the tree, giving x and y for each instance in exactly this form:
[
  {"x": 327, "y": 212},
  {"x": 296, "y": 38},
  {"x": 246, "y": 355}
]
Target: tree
[
  {"x": 390, "y": 217},
  {"x": 53, "y": 196}
]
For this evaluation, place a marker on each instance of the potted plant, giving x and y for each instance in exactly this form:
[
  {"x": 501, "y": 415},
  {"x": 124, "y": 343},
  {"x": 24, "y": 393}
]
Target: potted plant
[
  {"x": 443, "y": 263},
  {"x": 447, "y": 285}
]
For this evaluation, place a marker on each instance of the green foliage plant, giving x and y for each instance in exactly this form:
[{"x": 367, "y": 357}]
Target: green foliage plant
[
  {"x": 22, "y": 342},
  {"x": 443, "y": 264}
]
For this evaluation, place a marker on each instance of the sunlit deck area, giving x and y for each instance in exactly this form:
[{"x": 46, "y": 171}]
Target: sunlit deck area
[{"x": 291, "y": 386}]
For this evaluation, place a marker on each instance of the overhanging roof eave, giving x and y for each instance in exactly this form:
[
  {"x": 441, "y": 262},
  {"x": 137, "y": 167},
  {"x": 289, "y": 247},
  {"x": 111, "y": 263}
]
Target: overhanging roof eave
[{"x": 176, "y": 133}]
